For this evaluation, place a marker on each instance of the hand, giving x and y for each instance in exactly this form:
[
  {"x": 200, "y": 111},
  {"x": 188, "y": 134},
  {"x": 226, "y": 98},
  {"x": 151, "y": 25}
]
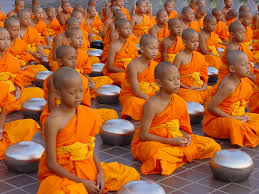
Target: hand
[
  {"x": 32, "y": 63},
  {"x": 91, "y": 187},
  {"x": 17, "y": 92},
  {"x": 100, "y": 181},
  {"x": 179, "y": 141},
  {"x": 186, "y": 135},
  {"x": 243, "y": 118},
  {"x": 91, "y": 85},
  {"x": 38, "y": 56}
]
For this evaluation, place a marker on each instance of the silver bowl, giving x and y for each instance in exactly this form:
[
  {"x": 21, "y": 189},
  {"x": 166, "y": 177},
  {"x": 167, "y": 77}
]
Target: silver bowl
[
  {"x": 117, "y": 132},
  {"x": 196, "y": 112},
  {"x": 40, "y": 77},
  {"x": 221, "y": 50},
  {"x": 213, "y": 74},
  {"x": 138, "y": 46},
  {"x": 141, "y": 187},
  {"x": 231, "y": 165},
  {"x": 98, "y": 44},
  {"x": 97, "y": 70},
  {"x": 33, "y": 107},
  {"x": 95, "y": 53},
  {"x": 45, "y": 58},
  {"x": 24, "y": 156},
  {"x": 108, "y": 94},
  {"x": 38, "y": 138}
]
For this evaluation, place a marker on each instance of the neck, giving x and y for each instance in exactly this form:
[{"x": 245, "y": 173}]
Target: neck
[
  {"x": 188, "y": 51},
  {"x": 173, "y": 37},
  {"x": 235, "y": 77},
  {"x": 144, "y": 60},
  {"x": 140, "y": 14},
  {"x": 67, "y": 109},
  {"x": 186, "y": 22},
  {"x": 164, "y": 95},
  {"x": 161, "y": 25},
  {"x": 24, "y": 27},
  {"x": 123, "y": 40},
  {"x": 233, "y": 41},
  {"x": 2, "y": 53}
]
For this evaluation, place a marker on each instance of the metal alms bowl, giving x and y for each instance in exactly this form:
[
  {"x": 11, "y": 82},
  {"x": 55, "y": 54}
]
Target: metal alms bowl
[
  {"x": 24, "y": 156},
  {"x": 97, "y": 70},
  {"x": 38, "y": 138},
  {"x": 95, "y": 53},
  {"x": 231, "y": 165},
  {"x": 213, "y": 74},
  {"x": 117, "y": 132},
  {"x": 221, "y": 50},
  {"x": 98, "y": 44},
  {"x": 40, "y": 77},
  {"x": 196, "y": 112},
  {"x": 33, "y": 107},
  {"x": 108, "y": 94},
  {"x": 141, "y": 187}
]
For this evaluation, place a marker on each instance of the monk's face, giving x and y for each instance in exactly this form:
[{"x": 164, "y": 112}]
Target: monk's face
[
  {"x": 193, "y": 4},
  {"x": 200, "y": 14},
  {"x": 19, "y": 6},
  {"x": 242, "y": 67},
  {"x": 239, "y": 34},
  {"x": 119, "y": 3},
  {"x": 73, "y": 25},
  {"x": 162, "y": 18},
  {"x": 69, "y": 59},
  {"x": 169, "y": 7},
  {"x": 4, "y": 40},
  {"x": 246, "y": 21},
  {"x": 66, "y": 7},
  {"x": 211, "y": 25},
  {"x": 192, "y": 42},
  {"x": 230, "y": 16},
  {"x": 150, "y": 50},
  {"x": 39, "y": 14},
  {"x": 51, "y": 13},
  {"x": 149, "y": 8},
  {"x": 14, "y": 30},
  {"x": 176, "y": 29},
  {"x": 141, "y": 8},
  {"x": 125, "y": 30},
  {"x": 25, "y": 19},
  {"x": 201, "y": 3},
  {"x": 219, "y": 16},
  {"x": 77, "y": 40},
  {"x": 71, "y": 93},
  {"x": 188, "y": 15},
  {"x": 79, "y": 16},
  {"x": 36, "y": 3},
  {"x": 170, "y": 81},
  {"x": 91, "y": 12},
  {"x": 228, "y": 3}
]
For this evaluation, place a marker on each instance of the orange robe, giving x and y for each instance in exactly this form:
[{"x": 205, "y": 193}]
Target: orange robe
[
  {"x": 32, "y": 38},
  {"x": 126, "y": 12},
  {"x": 249, "y": 36},
  {"x": 41, "y": 28},
  {"x": 223, "y": 70},
  {"x": 253, "y": 101},
  {"x": 131, "y": 105},
  {"x": 127, "y": 53},
  {"x": 2, "y": 16},
  {"x": 222, "y": 30},
  {"x": 228, "y": 22},
  {"x": 163, "y": 33},
  {"x": 1, "y": 24},
  {"x": 195, "y": 25},
  {"x": 194, "y": 74},
  {"x": 162, "y": 158},
  {"x": 80, "y": 132},
  {"x": 143, "y": 28},
  {"x": 239, "y": 133},
  {"x": 173, "y": 14},
  {"x": 152, "y": 18},
  {"x": 200, "y": 22},
  {"x": 54, "y": 28},
  {"x": 97, "y": 26}
]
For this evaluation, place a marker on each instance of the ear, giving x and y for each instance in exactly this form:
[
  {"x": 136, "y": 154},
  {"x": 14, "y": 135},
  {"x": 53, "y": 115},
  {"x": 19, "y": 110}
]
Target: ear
[
  {"x": 184, "y": 42},
  {"x": 57, "y": 92},
  {"x": 231, "y": 68},
  {"x": 158, "y": 83},
  {"x": 60, "y": 61},
  {"x": 69, "y": 40},
  {"x": 141, "y": 49}
]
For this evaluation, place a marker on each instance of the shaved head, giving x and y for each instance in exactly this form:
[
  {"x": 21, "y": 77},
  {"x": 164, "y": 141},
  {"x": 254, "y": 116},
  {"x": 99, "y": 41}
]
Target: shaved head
[
  {"x": 161, "y": 69},
  {"x": 76, "y": 13},
  {"x": 235, "y": 26},
  {"x": 244, "y": 8},
  {"x": 216, "y": 11},
  {"x": 3, "y": 30},
  {"x": 140, "y": 2},
  {"x": 160, "y": 12},
  {"x": 172, "y": 22},
  {"x": 244, "y": 14},
  {"x": 22, "y": 13},
  {"x": 188, "y": 33},
  {"x": 35, "y": 9},
  {"x": 11, "y": 21},
  {"x": 72, "y": 32},
  {"x": 209, "y": 18},
  {"x": 233, "y": 57},
  {"x": 186, "y": 9},
  {"x": 147, "y": 39},
  {"x": 71, "y": 21},
  {"x": 62, "y": 51},
  {"x": 120, "y": 23}
]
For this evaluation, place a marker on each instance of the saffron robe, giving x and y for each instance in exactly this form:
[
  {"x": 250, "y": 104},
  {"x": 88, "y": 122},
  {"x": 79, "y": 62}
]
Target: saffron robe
[
  {"x": 222, "y": 30},
  {"x": 195, "y": 26},
  {"x": 97, "y": 26},
  {"x": 163, "y": 33},
  {"x": 253, "y": 101},
  {"x": 152, "y": 18},
  {"x": 53, "y": 28},
  {"x": 248, "y": 36},
  {"x": 162, "y": 158},
  {"x": 239, "y": 133},
  {"x": 173, "y": 14},
  {"x": 142, "y": 28},
  {"x": 2, "y": 16},
  {"x": 80, "y": 132},
  {"x": 131, "y": 105},
  {"x": 126, "y": 12}
]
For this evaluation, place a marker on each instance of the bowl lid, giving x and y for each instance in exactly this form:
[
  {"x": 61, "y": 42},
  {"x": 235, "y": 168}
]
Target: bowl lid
[
  {"x": 43, "y": 75},
  {"x": 95, "y": 52},
  {"x": 195, "y": 108},
  {"x": 97, "y": 67},
  {"x": 109, "y": 90},
  {"x": 118, "y": 126},
  {"x": 212, "y": 71},
  {"x": 35, "y": 104}
]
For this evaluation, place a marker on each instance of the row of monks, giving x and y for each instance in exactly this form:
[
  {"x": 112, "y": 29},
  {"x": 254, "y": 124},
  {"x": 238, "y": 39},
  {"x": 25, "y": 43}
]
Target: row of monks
[{"x": 156, "y": 85}]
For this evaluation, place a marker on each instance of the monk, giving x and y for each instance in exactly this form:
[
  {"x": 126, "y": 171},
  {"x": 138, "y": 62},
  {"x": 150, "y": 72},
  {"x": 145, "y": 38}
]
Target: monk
[
  {"x": 140, "y": 22},
  {"x": 200, "y": 3},
  {"x": 187, "y": 19},
  {"x": 15, "y": 131},
  {"x": 139, "y": 83},
  {"x": 10, "y": 70},
  {"x": 149, "y": 13},
  {"x": 65, "y": 13},
  {"x": 164, "y": 141},
  {"x": 18, "y": 6},
  {"x": 231, "y": 16},
  {"x": 221, "y": 28},
  {"x": 209, "y": 42},
  {"x": 94, "y": 22},
  {"x": 172, "y": 44},
  {"x": 228, "y": 6},
  {"x": 244, "y": 8},
  {"x": 29, "y": 64},
  {"x": 245, "y": 18},
  {"x": 53, "y": 26},
  {"x": 70, "y": 134},
  {"x": 199, "y": 16},
  {"x": 160, "y": 29},
  {"x": 193, "y": 69},
  {"x": 121, "y": 52},
  {"x": 120, "y": 4},
  {"x": 225, "y": 115},
  {"x": 169, "y": 8},
  {"x": 192, "y": 5},
  {"x": 237, "y": 34},
  {"x": 253, "y": 101},
  {"x": 255, "y": 21}
]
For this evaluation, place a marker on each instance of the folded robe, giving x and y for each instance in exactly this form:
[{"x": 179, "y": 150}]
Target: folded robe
[
  {"x": 142, "y": 28},
  {"x": 173, "y": 14},
  {"x": 195, "y": 26},
  {"x": 97, "y": 26},
  {"x": 240, "y": 133},
  {"x": 32, "y": 37},
  {"x": 53, "y": 28},
  {"x": 222, "y": 30},
  {"x": 131, "y": 105},
  {"x": 162, "y": 158},
  {"x": 77, "y": 134},
  {"x": 253, "y": 101},
  {"x": 194, "y": 74},
  {"x": 152, "y": 18},
  {"x": 126, "y": 12},
  {"x": 248, "y": 36},
  {"x": 163, "y": 33}
]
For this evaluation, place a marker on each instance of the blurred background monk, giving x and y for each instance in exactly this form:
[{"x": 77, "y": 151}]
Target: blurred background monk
[{"x": 169, "y": 8}]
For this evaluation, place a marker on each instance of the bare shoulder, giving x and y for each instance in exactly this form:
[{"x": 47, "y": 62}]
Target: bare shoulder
[
  {"x": 153, "y": 104},
  {"x": 55, "y": 121},
  {"x": 134, "y": 64},
  {"x": 227, "y": 85}
]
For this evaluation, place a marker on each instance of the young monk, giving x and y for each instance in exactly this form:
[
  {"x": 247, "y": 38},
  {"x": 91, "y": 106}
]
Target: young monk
[
  {"x": 245, "y": 18},
  {"x": 121, "y": 52},
  {"x": 187, "y": 19},
  {"x": 228, "y": 6},
  {"x": 169, "y": 8},
  {"x": 15, "y": 131},
  {"x": 140, "y": 22},
  {"x": 149, "y": 10},
  {"x": 65, "y": 13},
  {"x": 18, "y": 5},
  {"x": 172, "y": 44},
  {"x": 199, "y": 16},
  {"x": 221, "y": 28},
  {"x": 237, "y": 34},
  {"x": 164, "y": 141},
  {"x": 253, "y": 101},
  {"x": 209, "y": 42},
  {"x": 243, "y": 8},
  {"x": 53, "y": 26},
  {"x": 225, "y": 116},
  {"x": 139, "y": 83},
  {"x": 94, "y": 22},
  {"x": 70, "y": 135},
  {"x": 200, "y": 3},
  {"x": 192, "y": 5},
  {"x": 193, "y": 69},
  {"x": 231, "y": 16},
  {"x": 255, "y": 21},
  {"x": 160, "y": 29},
  {"x": 120, "y": 4}
]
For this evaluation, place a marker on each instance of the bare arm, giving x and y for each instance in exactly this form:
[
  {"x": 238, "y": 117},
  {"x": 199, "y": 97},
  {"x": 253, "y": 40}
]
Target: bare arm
[
  {"x": 61, "y": 19},
  {"x": 202, "y": 44},
  {"x": 51, "y": 95},
  {"x": 110, "y": 59},
  {"x": 2, "y": 122},
  {"x": 153, "y": 31},
  {"x": 165, "y": 47}
]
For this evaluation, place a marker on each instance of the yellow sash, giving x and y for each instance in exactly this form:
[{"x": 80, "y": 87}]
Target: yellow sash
[
  {"x": 148, "y": 88},
  {"x": 8, "y": 78},
  {"x": 126, "y": 61},
  {"x": 213, "y": 50},
  {"x": 196, "y": 76},
  {"x": 238, "y": 108},
  {"x": 173, "y": 127},
  {"x": 171, "y": 57}
]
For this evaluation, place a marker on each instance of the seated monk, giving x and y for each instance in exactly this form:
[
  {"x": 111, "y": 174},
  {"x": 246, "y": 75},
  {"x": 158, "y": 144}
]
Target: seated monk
[
  {"x": 209, "y": 42},
  {"x": 228, "y": 6},
  {"x": 200, "y": 3},
  {"x": 70, "y": 163},
  {"x": 29, "y": 64},
  {"x": 94, "y": 22},
  {"x": 10, "y": 70},
  {"x": 193, "y": 5},
  {"x": 245, "y": 19},
  {"x": 149, "y": 10},
  {"x": 237, "y": 36},
  {"x": 140, "y": 22},
  {"x": 255, "y": 22},
  {"x": 169, "y": 8},
  {"x": 18, "y": 6},
  {"x": 65, "y": 13},
  {"x": 253, "y": 101},
  {"x": 53, "y": 26},
  {"x": 164, "y": 141},
  {"x": 121, "y": 52},
  {"x": 231, "y": 16},
  {"x": 14, "y": 131},
  {"x": 187, "y": 19},
  {"x": 160, "y": 29},
  {"x": 172, "y": 44},
  {"x": 199, "y": 16},
  {"x": 221, "y": 28},
  {"x": 120, "y": 4},
  {"x": 225, "y": 115},
  {"x": 139, "y": 83},
  {"x": 193, "y": 69}
]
